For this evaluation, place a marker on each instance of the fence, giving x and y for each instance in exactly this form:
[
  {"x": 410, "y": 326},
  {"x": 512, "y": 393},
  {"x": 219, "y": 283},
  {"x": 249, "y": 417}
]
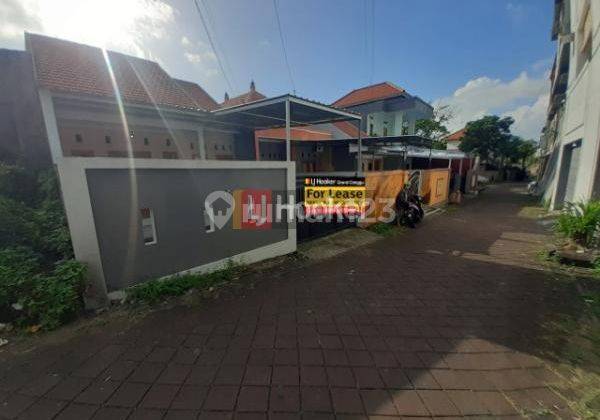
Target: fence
[{"x": 384, "y": 186}]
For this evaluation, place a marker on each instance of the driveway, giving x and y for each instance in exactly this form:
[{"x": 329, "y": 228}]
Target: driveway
[{"x": 438, "y": 321}]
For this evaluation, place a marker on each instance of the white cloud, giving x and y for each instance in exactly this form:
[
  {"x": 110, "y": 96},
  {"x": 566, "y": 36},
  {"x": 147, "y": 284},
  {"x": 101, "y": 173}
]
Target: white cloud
[
  {"x": 529, "y": 118},
  {"x": 199, "y": 54},
  {"x": 185, "y": 41},
  {"x": 128, "y": 26},
  {"x": 523, "y": 98}
]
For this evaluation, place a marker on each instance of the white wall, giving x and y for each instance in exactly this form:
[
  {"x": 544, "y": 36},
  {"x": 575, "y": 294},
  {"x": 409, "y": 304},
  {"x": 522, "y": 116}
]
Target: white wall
[{"x": 582, "y": 108}]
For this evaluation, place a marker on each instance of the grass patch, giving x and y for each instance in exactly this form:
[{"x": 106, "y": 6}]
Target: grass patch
[
  {"x": 386, "y": 229},
  {"x": 154, "y": 291}
]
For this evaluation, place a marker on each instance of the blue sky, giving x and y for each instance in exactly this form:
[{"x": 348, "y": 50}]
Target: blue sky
[{"x": 479, "y": 56}]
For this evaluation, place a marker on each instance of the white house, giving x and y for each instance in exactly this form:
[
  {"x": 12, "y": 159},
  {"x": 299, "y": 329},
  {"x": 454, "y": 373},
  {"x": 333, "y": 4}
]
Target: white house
[{"x": 571, "y": 138}]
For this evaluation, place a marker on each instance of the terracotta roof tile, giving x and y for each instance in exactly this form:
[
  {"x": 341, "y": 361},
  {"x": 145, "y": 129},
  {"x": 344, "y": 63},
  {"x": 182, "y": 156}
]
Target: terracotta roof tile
[
  {"x": 244, "y": 98},
  {"x": 65, "y": 66},
  {"x": 457, "y": 135},
  {"x": 296, "y": 133},
  {"x": 369, "y": 94},
  {"x": 198, "y": 95}
]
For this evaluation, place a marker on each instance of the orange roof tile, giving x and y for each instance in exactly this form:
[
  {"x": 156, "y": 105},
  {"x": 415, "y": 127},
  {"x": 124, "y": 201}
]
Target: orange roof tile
[
  {"x": 69, "y": 67},
  {"x": 244, "y": 98},
  {"x": 369, "y": 94},
  {"x": 297, "y": 133},
  {"x": 457, "y": 135}
]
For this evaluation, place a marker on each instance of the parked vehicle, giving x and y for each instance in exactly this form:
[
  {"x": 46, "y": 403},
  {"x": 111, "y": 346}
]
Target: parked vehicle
[{"x": 409, "y": 208}]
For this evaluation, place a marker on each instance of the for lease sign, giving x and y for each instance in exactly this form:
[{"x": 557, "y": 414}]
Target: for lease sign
[{"x": 331, "y": 195}]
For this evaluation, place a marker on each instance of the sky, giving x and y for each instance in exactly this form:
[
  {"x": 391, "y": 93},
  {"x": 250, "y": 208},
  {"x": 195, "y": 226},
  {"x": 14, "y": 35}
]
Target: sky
[{"x": 477, "y": 56}]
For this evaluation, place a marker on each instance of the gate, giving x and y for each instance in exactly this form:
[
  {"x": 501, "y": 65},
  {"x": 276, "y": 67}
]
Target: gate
[{"x": 324, "y": 225}]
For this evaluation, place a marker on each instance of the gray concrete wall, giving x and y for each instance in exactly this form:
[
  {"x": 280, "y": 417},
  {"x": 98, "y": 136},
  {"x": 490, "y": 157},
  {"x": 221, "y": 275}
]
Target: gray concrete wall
[
  {"x": 176, "y": 197},
  {"x": 22, "y": 131}
]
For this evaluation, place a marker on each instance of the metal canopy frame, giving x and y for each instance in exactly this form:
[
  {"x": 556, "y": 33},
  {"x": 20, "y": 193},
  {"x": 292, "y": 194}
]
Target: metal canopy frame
[{"x": 287, "y": 111}]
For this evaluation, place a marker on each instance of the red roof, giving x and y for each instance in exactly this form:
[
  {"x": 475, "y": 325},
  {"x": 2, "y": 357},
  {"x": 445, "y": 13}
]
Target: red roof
[
  {"x": 457, "y": 135},
  {"x": 297, "y": 133},
  {"x": 69, "y": 67},
  {"x": 369, "y": 94},
  {"x": 244, "y": 98},
  {"x": 198, "y": 95},
  {"x": 349, "y": 129}
]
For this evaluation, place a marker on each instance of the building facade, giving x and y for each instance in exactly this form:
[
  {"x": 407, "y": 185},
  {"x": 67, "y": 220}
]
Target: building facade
[
  {"x": 388, "y": 110},
  {"x": 569, "y": 146}
]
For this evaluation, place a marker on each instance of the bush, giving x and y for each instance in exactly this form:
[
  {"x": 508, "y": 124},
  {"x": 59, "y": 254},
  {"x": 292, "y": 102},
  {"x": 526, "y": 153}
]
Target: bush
[
  {"x": 156, "y": 290},
  {"x": 579, "y": 222},
  {"x": 30, "y": 294},
  {"x": 40, "y": 283}
]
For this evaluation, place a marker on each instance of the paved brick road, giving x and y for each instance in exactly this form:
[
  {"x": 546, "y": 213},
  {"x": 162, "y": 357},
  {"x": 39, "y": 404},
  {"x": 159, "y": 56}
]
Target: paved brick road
[{"x": 436, "y": 322}]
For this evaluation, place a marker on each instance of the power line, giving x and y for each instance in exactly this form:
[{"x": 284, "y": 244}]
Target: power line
[
  {"x": 287, "y": 63},
  {"x": 212, "y": 45},
  {"x": 211, "y": 24}
]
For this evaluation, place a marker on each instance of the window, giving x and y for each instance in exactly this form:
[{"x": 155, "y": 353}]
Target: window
[
  {"x": 107, "y": 139},
  {"x": 385, "y": 132},
  {"x": 192, "y": 146},
  {"x": 148, "y": 226},
  {"x": 131, "y": 134},
  {"x": 146, "y": 141},
  {"x": 370, "y": 129},
  {"x": 168, "y": 142},
  {"x": 78, "y": 138}
]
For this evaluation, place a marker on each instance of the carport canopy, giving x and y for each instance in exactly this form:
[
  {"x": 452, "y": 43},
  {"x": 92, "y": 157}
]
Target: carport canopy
[{"x": 286, "y": 111}]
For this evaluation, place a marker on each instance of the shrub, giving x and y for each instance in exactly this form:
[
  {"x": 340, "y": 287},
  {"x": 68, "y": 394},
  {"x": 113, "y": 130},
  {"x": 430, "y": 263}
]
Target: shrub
[
  {"x": 156, "y": 290},
  {"x": 40, "y": 283},
  {"x": 46, "y": 297},
  {"x": 579, "y": 222}
]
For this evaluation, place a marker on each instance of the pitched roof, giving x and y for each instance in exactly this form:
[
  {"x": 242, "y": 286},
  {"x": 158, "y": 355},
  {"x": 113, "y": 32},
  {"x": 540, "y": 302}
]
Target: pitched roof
[
  {"x": 457, "y": 135},
  {"x": 369, "y": 94},
  {"x": 69, "y": 67},
  {"x": 200, "y": 97},
  {"x": 296, "y": 133},
  {"x": 349, "y": 129},
  {"x": 244, "y": 98}
]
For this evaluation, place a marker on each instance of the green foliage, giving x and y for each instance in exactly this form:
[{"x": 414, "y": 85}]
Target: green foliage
[
  {"x": 40, "y": 283},
  {"x": 580, "y": 222},
  {"x": 487, "y": 136},
  {"x": 31, "y": 294},
  {"x": 490, "y": 138},
  {"x": 156, "y": 290},
  {"x": 385, "y": 229},
  {"x": 435, "y": 127}
]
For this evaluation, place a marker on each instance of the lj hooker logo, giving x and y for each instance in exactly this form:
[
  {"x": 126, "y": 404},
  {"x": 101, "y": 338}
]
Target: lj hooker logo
[{"x": 253, "y": 209}]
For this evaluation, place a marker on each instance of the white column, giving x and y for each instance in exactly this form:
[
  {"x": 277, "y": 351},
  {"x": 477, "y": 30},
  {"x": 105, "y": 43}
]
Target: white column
[
  {"x": 201, "y": 144},
  {"x": 288, "y": 132},
  {"x": 51, "y": 125}
]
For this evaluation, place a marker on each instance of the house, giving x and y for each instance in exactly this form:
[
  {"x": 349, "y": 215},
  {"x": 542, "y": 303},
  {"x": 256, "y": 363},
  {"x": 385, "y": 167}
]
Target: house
[
  {"x": 453, "y": 140},
  {"x": 251, "y": 96},
  {"x": 140, "y": 156},
  {"x": 388, "y": 110},
  {"x": 570, "y": 141}
]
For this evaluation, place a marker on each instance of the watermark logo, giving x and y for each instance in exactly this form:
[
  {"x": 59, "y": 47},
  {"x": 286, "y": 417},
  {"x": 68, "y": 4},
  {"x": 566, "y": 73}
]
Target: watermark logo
[{"x": 219, "y": 206}]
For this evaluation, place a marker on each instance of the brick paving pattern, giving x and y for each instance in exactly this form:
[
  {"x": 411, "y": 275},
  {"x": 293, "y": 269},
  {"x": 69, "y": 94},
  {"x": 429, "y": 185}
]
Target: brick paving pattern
[{"x": 434, "y": 322}]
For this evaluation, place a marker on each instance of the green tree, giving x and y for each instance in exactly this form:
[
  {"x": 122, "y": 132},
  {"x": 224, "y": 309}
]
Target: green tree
[
  {"x": 527, "y": 150},
  {"x": 490, "y": 138},
  {"x": 435, "y": 128}
]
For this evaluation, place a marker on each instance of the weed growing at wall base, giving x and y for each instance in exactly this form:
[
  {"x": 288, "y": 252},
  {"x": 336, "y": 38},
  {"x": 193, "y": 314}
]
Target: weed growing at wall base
[{"x": 154, "y": 291}]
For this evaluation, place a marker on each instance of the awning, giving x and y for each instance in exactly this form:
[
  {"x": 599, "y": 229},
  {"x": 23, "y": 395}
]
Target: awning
[{"x": 271, "y": 113}]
